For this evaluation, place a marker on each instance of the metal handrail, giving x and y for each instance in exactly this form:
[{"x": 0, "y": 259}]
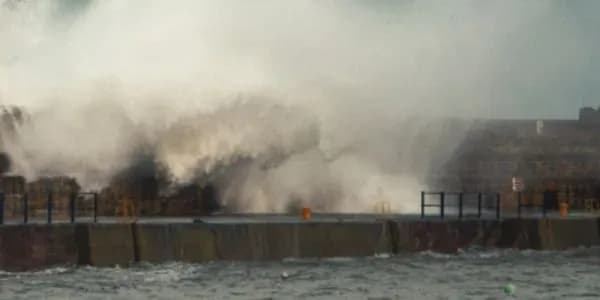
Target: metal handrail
[
  {"x": 443, "y": 202},
  {"x": 50, "y": 206}
]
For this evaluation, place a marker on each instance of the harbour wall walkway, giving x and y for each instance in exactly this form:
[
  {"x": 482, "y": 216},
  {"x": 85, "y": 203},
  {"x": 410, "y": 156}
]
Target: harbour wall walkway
[{"x": 34, "y": 246}]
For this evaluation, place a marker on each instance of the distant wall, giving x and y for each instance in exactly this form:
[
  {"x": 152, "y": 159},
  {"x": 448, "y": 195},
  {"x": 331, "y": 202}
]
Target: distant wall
[{"x": 24, "y": 247}]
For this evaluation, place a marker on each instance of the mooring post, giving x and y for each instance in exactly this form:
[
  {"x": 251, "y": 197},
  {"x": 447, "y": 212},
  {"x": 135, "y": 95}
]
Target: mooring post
[
  {"x": 1, "y": 208},
  {"x": 95, "y": 207},
  {"x": 25, "y": 208},
  {"x": 422, "y": 204},
  {"x": 498, "y": 206},
  {"x": 49, "y": 208},
  {"x": 72, "y": 207},
  {"x": 442, "y": 205},
  {"x": 460, "y": 205},
  {"x": 519, "y": 204},
  {"x": 479, "y": 205}
]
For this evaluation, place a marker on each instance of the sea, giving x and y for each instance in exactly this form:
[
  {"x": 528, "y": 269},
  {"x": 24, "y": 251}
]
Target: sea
[{"x": 469, "y": 274}]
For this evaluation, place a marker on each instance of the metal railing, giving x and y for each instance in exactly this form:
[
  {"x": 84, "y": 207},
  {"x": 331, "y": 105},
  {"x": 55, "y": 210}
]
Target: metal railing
[
  {"x": 442, "y": 203},
  {"x": 72, "y": 211}
]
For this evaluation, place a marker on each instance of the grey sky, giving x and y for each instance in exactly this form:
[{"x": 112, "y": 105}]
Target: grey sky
[{"x": 534, "y": 59}]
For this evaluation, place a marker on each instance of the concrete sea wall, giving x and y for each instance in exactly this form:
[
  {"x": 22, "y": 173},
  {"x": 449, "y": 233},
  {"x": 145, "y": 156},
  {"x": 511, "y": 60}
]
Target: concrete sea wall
[
  {"x": 35, "y": 246},
  {"x": 25, "y": 247}
]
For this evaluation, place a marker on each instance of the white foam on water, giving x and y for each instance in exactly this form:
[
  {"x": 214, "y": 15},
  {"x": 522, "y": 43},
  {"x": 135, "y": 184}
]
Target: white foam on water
[
  {"x": 340, "y": 259},
  {"x": 382, "y": 255}
]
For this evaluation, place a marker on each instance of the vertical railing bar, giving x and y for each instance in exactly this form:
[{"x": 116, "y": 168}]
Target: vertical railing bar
[
  {"x": 460, "y": 205},
  {"x": 1, "y": 208},
  {"x": 422, "y": 204},
  {"x": 95, "y": 207},
  {"x": 72, "y": 207},
  {"x": 519, "y": 204},
  {"x": 544, "y": 204},
  {"x": 569, "y": 195},
  {"x": 25, "y": 208},
  {"x": 49, "y": 208},
  {"x": 498, "y": 206},
  {"x": 479, "y": 196},
  {"x": 442, "y": 205}
]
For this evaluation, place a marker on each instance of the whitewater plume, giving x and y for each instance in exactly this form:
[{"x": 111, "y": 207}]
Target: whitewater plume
[{"x": 332, "y": 104}]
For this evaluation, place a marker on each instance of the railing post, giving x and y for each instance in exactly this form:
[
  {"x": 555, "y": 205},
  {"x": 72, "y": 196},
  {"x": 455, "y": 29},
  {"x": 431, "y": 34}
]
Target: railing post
[
  {"x": 72, "y": 207},
  {"x": 25, "y": 208},
  {"x": 460, "y": 205},
  {"x": 519, "y": 204},
  {"x": 442, "y": 205},
  {"x": 1, "y": 208},
  {"x": 479, "y": 196},
  {"x": 49, "y": 208},
  {"x": 95, "y": 207},
  {"x": 498, "y": 206},
  {"x": 422, "y": 204},
  {"x": 544, "y": 204}
]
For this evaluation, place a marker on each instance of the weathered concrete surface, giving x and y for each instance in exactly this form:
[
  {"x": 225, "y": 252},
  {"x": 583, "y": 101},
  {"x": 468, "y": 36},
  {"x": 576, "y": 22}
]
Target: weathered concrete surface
[
  {"x": 519, "y": 234},
  {"x": 276, "y": 241},
  {"x": 25, "y": 247},
  {"x": 193, "y": 243},
  {"x": 158, "y": 243},
  {"x": 256, "y": 241},
  {"x": 106, "y": 244},
  {"x": 343, "y": 239},
  {"x": 444, "y": 236},
  {"x": 154, "y": 243},
  {"x": 558, "y": 234},
  {"x": 539, "y": 234}
]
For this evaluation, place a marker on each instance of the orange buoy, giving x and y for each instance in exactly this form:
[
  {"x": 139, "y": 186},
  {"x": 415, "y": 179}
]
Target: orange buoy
[
  {"x": 306, "y": 213},
  {"x": 564, "y": 209}
]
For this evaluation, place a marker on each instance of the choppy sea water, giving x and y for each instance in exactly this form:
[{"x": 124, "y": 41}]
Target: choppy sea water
[{"x": 572, "y": 274}]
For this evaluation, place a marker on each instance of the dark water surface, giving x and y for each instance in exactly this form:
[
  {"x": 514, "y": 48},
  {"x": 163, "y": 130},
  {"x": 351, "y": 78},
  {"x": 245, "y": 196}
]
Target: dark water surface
[{"x": 572, "y": 274}]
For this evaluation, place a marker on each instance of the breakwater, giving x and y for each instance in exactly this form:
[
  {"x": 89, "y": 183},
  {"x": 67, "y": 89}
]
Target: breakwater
[{"x": 32, "y": 246}]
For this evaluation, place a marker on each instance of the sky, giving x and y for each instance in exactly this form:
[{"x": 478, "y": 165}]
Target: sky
[{"x": 513, "y": 59}]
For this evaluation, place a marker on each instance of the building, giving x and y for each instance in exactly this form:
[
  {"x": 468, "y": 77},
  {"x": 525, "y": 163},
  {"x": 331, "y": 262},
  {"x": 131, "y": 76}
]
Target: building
[{"x": 561, "y": 156}]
